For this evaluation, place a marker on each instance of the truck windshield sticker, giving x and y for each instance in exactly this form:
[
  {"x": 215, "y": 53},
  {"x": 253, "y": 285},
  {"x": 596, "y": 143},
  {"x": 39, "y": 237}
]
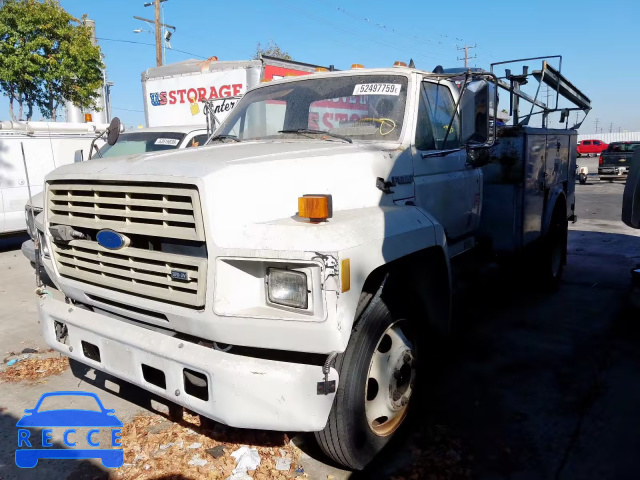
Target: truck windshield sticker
[
  {"x": 167, "y": 141},
  {"x": 377, "y": 89}
]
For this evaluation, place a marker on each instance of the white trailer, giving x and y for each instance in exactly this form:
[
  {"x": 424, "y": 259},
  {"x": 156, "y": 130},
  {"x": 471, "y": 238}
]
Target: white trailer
[
  {"x": 174, "y": 94},
  {"x": 47, "y": 145}
]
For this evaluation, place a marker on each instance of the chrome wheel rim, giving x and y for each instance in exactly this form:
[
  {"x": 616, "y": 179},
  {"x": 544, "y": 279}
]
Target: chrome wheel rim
[{"x": 390, "y": 380}]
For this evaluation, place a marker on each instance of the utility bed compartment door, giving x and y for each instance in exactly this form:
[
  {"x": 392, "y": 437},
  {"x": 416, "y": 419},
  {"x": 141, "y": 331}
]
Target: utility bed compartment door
[
  {"x": 534, "y": 187},
  {"x": 557, "y": 161}
]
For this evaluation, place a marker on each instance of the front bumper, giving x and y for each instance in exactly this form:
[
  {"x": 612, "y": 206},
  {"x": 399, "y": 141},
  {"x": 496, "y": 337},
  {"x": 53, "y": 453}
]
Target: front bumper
[{"x": 242, "y": 391}]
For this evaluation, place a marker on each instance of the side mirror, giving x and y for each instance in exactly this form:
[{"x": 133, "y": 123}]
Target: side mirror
[
  {"x": 113, "y": 132},
  {"x": 78, "y": 156},
  {"x": 631, "y": 195},
  {"x": 477, "y": 113}
]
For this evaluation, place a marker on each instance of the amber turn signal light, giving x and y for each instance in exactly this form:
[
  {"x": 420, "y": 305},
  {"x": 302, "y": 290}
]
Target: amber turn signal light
[
  {"x": 356, "y": 65},
  {"x": 316, "y": 208},
  {"x": 87, "y": 117}
]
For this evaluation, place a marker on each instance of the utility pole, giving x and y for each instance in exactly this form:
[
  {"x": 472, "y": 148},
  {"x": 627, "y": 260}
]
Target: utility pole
[
  {"x": 597, "y": 124},
  {"x": 158, "y": 34},
  {"x": 611, "y": 127},
  {"x": 466, "y": 54},
  {"x": 158, "y": 24}
]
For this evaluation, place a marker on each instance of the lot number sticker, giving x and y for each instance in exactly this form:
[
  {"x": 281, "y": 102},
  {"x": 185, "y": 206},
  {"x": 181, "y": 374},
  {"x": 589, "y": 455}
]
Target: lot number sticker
[
  {"x": 167, "y": 141},
  {"x": 377, "y": 89}
]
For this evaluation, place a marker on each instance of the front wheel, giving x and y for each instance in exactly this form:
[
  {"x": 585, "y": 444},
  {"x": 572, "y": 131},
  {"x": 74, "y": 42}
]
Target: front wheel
[{"x": 377, "y": 381}]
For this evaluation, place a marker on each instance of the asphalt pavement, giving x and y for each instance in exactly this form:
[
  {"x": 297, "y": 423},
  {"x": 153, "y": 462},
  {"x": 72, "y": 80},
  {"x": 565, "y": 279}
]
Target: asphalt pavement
[{"x": 532, "y": 386}]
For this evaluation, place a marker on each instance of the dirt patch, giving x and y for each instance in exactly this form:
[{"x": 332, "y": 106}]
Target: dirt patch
[
  {"x": 34, "y": 369},
  {"x": 155, "y": 448}
]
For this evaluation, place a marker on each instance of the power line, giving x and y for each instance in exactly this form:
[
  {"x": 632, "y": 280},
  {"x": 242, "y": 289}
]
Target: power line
[
  {"x": 389, "y": 28},
  {"x": 292, "y": 6},
  {"x": 128, "y": 109},
  {"x": 150, "y": 45}
]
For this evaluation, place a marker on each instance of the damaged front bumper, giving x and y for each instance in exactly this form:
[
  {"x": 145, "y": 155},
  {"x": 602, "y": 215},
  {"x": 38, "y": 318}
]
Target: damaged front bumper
[{"x": 236, "y": 390}]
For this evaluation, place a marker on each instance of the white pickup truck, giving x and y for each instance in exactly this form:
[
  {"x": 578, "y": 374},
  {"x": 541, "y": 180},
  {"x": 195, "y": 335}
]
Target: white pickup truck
[{"x": 290, "y": 274}]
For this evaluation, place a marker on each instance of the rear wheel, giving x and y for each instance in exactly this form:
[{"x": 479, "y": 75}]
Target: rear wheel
[
  {"x": 582, "y": 178},
  {"x": 377, "y": 381}
]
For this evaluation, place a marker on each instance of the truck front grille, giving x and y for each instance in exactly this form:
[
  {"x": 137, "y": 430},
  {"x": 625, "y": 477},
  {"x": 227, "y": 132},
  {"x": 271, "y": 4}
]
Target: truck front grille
[
  {"x": 150, "y": 214},
  {"x": 147, "y": 209}
]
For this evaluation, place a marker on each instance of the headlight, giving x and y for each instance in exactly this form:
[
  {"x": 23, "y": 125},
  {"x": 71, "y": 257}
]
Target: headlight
[{"x": 286, "y": 287}]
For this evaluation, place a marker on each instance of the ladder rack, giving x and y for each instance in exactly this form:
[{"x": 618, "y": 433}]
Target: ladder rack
[{"x": 549, "y": 76}]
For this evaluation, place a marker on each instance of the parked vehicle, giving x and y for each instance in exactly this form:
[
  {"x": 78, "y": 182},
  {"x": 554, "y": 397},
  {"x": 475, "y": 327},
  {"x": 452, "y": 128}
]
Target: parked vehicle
[
  {"x": 144, "y": 140},
  {"x": 175, "y": 94},
  {"x": 590, "y": 148},
  {"x": 291, "y": 274},
  {"x": 615, "y": 161},
  {"x": 47, "y": 145}
]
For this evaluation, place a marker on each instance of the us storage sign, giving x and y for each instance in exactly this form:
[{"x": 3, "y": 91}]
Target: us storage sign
[{"x": 179, "y": 100}]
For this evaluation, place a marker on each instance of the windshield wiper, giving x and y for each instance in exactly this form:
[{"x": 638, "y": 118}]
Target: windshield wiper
[
  {"x": 223, "y": 137},
  {"x": 441, "y": 153},
  {"x": 318, "y": 132}
]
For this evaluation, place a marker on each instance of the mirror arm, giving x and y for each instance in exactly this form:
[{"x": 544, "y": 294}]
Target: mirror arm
[
  {"x": 455, "y": 110},
  {"x": 93, "y": 145}
]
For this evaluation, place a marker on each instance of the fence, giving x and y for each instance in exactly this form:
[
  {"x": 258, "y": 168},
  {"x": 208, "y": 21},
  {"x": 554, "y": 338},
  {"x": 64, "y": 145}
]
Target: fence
[{"x": 611, "y": 137}]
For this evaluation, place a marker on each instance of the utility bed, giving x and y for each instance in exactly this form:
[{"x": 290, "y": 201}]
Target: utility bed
[{"x": 527, "y": 166}]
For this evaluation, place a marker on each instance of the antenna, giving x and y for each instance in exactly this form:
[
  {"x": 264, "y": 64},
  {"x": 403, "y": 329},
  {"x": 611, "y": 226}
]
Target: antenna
[{"x": 36, "y": 240}]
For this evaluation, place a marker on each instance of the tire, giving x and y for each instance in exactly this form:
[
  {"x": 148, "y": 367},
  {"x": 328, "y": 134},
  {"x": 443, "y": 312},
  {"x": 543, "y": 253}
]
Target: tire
[
  {"x": 356, "y": 429},
  {"x": 582, "y": 179}
]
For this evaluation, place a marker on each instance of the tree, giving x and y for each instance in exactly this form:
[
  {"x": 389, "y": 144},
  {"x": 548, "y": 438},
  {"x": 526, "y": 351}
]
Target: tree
[
  {"x": 273, "y": 50},
  {"x": 46, "y": 57}
]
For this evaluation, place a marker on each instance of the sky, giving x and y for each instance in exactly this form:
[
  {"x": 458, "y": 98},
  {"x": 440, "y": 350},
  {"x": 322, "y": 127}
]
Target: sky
[{"x": 597, "y": 40}]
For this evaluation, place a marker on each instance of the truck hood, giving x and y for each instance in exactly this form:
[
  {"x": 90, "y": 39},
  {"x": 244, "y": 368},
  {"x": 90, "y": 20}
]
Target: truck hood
[
  {"x": 246, "y": 186},
  {"x": 201, "y": 162}
]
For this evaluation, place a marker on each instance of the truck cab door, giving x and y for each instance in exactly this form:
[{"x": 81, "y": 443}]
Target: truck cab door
[{"x": 446, "y": 186}]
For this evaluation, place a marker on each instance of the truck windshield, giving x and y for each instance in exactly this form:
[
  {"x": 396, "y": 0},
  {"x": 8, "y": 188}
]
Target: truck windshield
[
  {"x": 360, "y": 107},
  {"x": 623, "y": 147},
  {"x": 141, "y": 142}
]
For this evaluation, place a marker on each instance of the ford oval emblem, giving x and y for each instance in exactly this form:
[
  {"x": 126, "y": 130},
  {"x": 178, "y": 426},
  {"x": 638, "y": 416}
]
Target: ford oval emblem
[{"x": 112, "y": 240}]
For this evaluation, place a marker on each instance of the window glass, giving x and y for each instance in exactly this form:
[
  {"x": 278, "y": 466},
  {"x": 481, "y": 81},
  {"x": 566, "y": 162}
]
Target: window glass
[
  {"x": 586, "y": 142},
  {"x": 434, "y": 115},
  {"x": 361, "y": 107},
  {"x": 140, "y": 142},
  {"x": 622, "y": 147}
]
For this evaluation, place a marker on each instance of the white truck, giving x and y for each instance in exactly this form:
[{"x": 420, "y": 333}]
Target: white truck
[
  {"x": 47, "y": 145},
  {"x": 291, "y": 274}
]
